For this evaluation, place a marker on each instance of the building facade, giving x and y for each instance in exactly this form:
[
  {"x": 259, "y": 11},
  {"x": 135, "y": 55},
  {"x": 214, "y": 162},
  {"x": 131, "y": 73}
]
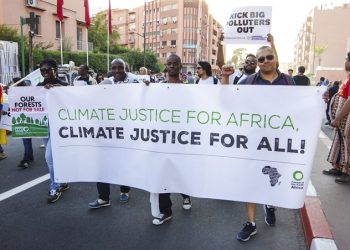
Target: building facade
[
  {"x": 48, "y": 29},
  {"x": 323, "y": 41},
  {"x": 182, "y": 27}
]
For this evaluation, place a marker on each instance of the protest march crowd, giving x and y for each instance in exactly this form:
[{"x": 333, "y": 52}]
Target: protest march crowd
[{"x": 260, "y": 68}]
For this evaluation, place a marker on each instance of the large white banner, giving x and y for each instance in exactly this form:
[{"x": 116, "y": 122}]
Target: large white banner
[
  {"x": 243, "y": 143},
  {"x": 248, "y": 25}
]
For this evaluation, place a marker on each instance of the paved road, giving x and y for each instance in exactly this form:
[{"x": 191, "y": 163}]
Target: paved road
[{"x": 29, "y": 222}]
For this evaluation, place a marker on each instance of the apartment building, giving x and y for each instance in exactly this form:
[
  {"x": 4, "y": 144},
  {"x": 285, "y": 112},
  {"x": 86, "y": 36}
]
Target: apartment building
[
  {"x": 182, "y": 27},
  {"x": 47, "y": 30},
  {"x": 324, "y": 30}
]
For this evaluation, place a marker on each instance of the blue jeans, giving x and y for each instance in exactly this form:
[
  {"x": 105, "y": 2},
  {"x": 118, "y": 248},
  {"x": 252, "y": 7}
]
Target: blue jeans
[
  {"x": 49, "y": 161},
  {"x": 28, "y": 149}
]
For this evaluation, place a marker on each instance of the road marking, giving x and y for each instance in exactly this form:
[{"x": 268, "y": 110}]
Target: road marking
[{"x": 24, "y": 187}]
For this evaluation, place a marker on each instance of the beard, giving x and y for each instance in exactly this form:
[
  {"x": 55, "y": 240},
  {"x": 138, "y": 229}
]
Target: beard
[{"x": 249, "y": 71}]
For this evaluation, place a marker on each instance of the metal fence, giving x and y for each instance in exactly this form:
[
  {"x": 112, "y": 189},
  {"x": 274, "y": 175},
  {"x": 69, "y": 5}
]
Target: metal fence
[{"x": 9, "y": 67}]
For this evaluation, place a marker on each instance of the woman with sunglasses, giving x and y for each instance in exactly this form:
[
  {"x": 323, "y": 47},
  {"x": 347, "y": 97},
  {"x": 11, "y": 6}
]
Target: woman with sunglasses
[{"x": 48, "y": 69}]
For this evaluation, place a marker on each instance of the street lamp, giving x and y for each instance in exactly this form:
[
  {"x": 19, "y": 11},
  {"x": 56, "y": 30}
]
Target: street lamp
[{"x": 144, "y": 46}]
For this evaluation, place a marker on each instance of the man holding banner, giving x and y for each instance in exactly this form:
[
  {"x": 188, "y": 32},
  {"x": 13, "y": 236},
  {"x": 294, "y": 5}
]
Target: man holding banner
[
  {"x": 267, "y": 75},
  {"x": 48, "y": 69}
]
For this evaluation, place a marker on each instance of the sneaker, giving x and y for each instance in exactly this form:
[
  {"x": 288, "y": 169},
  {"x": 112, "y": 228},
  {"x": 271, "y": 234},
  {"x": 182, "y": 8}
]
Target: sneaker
[
  {"x": 333, "y": 172},
  {"x": 161, "y": 219},
  {"x": 3, "y": 156},
  {"x": 270, "y": 217},
  {"x": 31, "y": 158},
  {"x": 63, "y": 187},
  {"x": 42, "y": 146},
  {"x": 247, "y": 231},
  {"x": 123, "y": 197},
  {"x": 344, "y": 179},
  {"x": 23, "y": 164},
  {"x": 187, "y": 203},
  {"x": 54, "y": 196},
  {"x": 99, "y": 203}
]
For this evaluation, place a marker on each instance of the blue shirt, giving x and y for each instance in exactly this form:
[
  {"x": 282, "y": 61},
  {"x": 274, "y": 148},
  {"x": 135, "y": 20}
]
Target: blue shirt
[{"x": 282, "y": 79}]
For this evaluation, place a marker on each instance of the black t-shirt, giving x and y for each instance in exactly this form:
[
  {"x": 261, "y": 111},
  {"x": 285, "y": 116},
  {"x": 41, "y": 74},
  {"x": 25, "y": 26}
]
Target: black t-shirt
[
  {"x": 54, "y": 81},
  {"x": 301, "y": 80}
]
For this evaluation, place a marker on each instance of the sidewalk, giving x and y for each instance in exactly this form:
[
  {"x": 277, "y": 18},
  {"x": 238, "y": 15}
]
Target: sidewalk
[{"x": 331, "y": 197}]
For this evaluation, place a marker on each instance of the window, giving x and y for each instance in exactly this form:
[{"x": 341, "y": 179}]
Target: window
[
  {"x": 79, "y": 38},
  {"x": 174, "y": 19},
  {"x": 213, "y": 61},
  {"x": 165, "y": 20},
  {"x": 58, "y": 33},
  {"x": 164, "y": 55},
  {"x": 37, "y": 29},
  {"x": 173, "y": 42},
  {"x": 173, "y": 31},
  {"x": 164, "y": 43}
]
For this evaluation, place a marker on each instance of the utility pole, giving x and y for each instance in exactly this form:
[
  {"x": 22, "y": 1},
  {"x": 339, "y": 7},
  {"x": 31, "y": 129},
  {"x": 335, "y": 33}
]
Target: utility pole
[
  {"x": 32, "y": 21},
  {"x": 22, "y": 22}
]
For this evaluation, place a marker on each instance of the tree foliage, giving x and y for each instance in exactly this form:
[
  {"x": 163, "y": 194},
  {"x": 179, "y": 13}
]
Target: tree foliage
[
  {"x": 98, "y": 35},
  {"x": 237, "y": 55},
  {"x": 319, "y": 50},
  {"x": 9, "y": 34}
]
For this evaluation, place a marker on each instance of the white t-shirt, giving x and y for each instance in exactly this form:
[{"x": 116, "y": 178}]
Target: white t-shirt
[
  {"x": 209, "y": 80},
  {"x": 129, "y": 78}
]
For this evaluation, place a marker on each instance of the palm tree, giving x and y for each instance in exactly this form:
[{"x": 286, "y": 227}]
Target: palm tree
[
  {"x": 319, "y": 50},
  {"x": 238, "y": 55}
]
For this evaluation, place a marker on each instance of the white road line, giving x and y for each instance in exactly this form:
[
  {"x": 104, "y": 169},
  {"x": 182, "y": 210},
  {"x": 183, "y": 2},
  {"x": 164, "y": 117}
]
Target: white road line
[{"x": 24, "y": 187}]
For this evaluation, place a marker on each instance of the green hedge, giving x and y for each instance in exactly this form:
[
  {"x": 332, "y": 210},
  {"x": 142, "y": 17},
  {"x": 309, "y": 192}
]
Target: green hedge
[{"x": 98, "y": 61}]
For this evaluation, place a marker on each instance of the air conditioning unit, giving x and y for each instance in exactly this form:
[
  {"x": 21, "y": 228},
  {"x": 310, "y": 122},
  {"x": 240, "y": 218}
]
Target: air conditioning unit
[
  {"x": 174, "y": 21},
  {"x": 32, "y": 3}
]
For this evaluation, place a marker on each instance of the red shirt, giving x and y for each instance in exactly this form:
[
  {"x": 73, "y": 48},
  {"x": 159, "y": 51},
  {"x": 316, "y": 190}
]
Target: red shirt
[{"x": 344, "y": 90}]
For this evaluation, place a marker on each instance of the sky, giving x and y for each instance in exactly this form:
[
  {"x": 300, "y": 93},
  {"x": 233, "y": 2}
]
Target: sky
[{"x": 287, "y": 18}]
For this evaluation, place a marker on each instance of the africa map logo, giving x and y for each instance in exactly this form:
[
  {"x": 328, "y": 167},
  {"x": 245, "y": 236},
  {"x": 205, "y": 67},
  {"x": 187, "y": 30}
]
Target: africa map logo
[{"x": 273, "y": 174}]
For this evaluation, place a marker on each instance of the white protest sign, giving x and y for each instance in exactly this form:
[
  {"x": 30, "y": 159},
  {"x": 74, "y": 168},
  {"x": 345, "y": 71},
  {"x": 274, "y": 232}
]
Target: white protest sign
[
  {"x": 143, "y": 78},
  {"x": 28, "y": 112},
  {"x": 248, "y": 25},
  {"x": 5, "y": 120},
  {"x": 168, "y": 138},
  {"x": 35, "y": 77}
]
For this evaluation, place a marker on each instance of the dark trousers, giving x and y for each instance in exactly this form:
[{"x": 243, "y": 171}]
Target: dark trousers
[
  {"x": 1, "y": 150},
  {"x": 327, "y": 111},
  {"x": 28, "y": 149},
  {"x": 104, "y": 190},
  {"x": 165, "y": 203}
]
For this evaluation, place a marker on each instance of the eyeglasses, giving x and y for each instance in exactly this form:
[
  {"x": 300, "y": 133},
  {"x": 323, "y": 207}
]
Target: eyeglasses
[
  {"x": 250, "y": 62},
  {"x": 262, "y": 59},
  {"x": 47, "y": 70}
]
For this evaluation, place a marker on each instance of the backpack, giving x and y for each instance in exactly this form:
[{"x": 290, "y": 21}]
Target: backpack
[{"x": 215, "y": 81}]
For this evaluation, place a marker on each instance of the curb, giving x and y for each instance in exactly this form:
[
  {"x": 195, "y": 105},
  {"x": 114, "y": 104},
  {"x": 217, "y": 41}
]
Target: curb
[{"x": 316, "y": 228}]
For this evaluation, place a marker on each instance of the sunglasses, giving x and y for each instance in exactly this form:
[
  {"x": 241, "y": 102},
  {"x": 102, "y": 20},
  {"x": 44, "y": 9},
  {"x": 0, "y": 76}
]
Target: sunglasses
[
  {"x": 250, "y": 62},
  {"x": 262, "y": 59},
  {"x": 46, "y": 70}
]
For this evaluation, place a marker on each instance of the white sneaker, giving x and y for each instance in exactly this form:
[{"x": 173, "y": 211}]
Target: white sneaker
[
  {"x": 187, "y": 203},
  {"x": 161, "y": 219}
]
